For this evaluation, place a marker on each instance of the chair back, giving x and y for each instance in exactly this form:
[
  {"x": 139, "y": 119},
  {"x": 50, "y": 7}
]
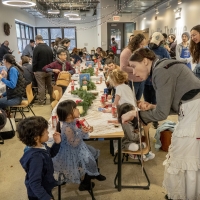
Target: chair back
[
  {"x": 57, "y": 95},
  {"x": 59, "y": 89},
  {"x": 29, "y": 93}
]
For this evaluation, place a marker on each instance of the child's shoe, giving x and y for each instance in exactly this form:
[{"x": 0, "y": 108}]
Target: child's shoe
[
  {"x": 100, "y": 177},
  {"x": 149, "y": 156}
]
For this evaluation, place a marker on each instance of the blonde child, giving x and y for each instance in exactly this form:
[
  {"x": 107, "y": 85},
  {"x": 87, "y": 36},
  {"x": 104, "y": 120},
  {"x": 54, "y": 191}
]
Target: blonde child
[{"x": 75, "y": 159}]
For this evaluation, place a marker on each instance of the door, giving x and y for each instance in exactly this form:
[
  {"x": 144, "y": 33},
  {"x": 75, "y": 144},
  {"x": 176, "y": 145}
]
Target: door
[{"x": 115, "y": 30}]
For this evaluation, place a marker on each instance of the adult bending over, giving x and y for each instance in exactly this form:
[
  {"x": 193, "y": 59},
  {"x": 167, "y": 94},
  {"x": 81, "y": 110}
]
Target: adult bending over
[
  {"x": 15, "y": 83},
  {"x": 137, "y": 42},
  {"x": 177, "y": 90}
]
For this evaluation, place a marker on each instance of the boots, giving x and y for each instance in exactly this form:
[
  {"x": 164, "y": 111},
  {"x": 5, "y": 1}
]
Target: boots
[
  {"x": 86, "y": 184},
  {"x": 99, "y": 177}
]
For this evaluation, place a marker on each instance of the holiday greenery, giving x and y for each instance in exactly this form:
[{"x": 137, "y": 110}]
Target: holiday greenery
[
  {"x": 88, "y": 70},
  {"x": 86, "y": 97},
  {"x": 91, "y": 85}
]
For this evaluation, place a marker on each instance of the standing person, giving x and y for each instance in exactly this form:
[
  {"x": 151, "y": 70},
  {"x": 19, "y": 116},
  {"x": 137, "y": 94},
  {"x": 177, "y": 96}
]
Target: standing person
[
  {"x": 60, "y": 65},
  {"x": 42, "y": 56},
  {"x": 64, "y": 44},
  {"x": 131, "y": 37},
  {"x": 28, "y": 51},
  {"x": 75, "y": 159},
  {"x": 195, "y": 49},
  {"x": 137, "y": 42},
  {"x": 114, "y": 45},
  {"x": 172, "y": 46},
  {"x": 182, "y": 50},
  {"x": 15, "y": 83},
  {"x": 177, "y": 90},
  {"x": 165, "y": 40},
  {"x": 4, "y": 49},
  {"x": 155, "y": 45},
  {"x": 55, "y": 46},
  {"x": 37, "y": 158}
]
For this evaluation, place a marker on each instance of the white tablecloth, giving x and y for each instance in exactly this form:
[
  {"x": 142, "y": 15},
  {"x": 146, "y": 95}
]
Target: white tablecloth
[{"x": 97, "y": 119}]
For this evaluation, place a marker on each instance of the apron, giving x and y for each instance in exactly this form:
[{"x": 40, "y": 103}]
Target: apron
[{"x": 186, "y": 54}]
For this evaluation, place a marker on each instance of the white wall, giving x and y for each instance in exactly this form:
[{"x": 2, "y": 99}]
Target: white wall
[
  {"x": 85, "y": 38},
  {"x": 9, "y": 14},
  {"x": 166, "y": 22}
]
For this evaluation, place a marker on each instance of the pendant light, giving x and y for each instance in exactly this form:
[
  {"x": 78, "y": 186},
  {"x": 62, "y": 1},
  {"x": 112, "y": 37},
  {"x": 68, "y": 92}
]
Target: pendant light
[{"x": 19, "y": 3}]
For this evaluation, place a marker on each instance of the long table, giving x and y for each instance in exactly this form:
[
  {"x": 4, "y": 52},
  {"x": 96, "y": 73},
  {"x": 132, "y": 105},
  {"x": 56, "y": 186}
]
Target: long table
[{"x": 99, "y": 121}]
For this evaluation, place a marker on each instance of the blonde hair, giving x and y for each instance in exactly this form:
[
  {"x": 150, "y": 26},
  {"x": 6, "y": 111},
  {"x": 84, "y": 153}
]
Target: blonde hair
[{"x": 118, "y": 76}]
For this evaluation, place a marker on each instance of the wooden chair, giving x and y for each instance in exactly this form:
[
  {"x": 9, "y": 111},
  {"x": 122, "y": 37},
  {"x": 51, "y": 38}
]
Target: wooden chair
[
  {"x": 55, "y": 87},
  {"x": 25, "y": 103},
  {"x": 56, "y": 97},
  {"x": 138, "y": 153}
]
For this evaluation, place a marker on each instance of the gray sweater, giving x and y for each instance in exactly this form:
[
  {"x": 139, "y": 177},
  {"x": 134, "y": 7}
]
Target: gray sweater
[{"x": 170, "y": 85}]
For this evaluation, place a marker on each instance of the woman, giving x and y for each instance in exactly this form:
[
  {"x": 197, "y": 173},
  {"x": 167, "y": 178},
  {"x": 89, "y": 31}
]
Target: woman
[
  {"x": 195, "y": 48},
  {"x": 172, "y": 46},
  {"x": 180, "y": 93},
  {"x": 182, "y": 50},
  {"x": 15, "y": 83},
  {"x": 138, "y": 41}
]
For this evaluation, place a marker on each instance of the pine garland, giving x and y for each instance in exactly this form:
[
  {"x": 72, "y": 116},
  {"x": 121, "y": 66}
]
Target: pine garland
[{"x": 88, "y": 70}]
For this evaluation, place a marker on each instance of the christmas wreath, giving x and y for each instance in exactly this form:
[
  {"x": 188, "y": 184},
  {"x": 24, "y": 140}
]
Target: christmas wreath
[{"x": 7, "y": 29}]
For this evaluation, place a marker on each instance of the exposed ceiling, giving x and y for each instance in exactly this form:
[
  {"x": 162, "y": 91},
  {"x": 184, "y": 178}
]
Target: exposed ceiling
[{"x": 89, "y": 7}]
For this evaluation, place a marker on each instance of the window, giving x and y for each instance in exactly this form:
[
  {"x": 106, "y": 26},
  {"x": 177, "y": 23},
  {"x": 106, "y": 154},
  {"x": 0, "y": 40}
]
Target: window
[
  {"x": 24, "y": 35},
  {"x": 50, "y": 34}
]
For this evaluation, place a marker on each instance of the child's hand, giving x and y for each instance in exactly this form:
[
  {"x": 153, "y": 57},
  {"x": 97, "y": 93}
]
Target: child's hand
[
  {"x": 109, "y": 97},
  {"x": 85, "y": 130},
  {"x": 57, "y": 137}
]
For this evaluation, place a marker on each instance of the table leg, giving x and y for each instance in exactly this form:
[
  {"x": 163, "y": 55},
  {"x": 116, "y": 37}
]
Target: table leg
[{"x": 119, "y": 164}]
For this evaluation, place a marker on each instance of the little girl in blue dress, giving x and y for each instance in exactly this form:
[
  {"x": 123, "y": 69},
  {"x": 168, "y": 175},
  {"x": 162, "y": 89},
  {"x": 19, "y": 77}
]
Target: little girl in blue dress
[{"x": 75, "y": 159}]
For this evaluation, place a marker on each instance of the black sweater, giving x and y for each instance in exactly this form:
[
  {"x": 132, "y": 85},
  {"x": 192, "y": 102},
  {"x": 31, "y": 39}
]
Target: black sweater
[
  {"x": 4, "y": 50},
  {"x": 42, "y": 55}
]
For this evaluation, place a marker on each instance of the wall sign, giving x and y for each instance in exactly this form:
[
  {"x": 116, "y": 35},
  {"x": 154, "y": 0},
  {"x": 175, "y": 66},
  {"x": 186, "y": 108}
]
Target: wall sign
[{"x": 116, "y": 18}]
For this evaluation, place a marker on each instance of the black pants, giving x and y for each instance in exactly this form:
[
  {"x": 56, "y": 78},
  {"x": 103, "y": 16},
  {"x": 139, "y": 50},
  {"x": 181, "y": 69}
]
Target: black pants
[{"x": 149, "y": 94}]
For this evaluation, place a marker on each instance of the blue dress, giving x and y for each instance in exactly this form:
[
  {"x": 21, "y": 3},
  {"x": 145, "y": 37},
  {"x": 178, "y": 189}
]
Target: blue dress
[{"x": 75, "y": 157}]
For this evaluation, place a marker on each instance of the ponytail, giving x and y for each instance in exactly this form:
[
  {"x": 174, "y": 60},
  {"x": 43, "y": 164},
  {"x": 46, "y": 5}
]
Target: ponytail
[{"x": 11, "y": 59}]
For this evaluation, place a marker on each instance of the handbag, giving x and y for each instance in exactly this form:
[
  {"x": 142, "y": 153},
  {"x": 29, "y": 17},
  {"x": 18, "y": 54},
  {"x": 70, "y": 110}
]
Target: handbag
[
  {"x": 64, "y": 78},
  {"x": 8, "y": 131}
]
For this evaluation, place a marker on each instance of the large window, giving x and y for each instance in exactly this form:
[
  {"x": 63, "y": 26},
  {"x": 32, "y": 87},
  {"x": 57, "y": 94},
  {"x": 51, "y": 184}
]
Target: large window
[
  {"x": 50, "y": 34},
  {"x": 24, "y": 35}
]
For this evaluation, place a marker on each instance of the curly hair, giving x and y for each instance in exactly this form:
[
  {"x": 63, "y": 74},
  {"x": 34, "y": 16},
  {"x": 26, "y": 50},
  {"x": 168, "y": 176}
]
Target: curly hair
[
  {"x": 30, "y": 128},
  {"x": 135, "y": 42},
  {"x": 118, "y": 76},
  {"x": 195, "y": 48}
]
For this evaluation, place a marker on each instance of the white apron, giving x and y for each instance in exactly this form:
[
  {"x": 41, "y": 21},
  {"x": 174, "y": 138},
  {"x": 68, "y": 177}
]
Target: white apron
[{"x": 182, "y": 166}]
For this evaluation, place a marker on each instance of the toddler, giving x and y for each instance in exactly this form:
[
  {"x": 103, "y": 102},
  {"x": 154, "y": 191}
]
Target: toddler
[{"x": 37, "y": 158}]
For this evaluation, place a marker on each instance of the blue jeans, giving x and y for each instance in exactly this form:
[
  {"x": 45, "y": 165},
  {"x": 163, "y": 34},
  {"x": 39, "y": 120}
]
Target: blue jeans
[
  {"x": 139, "y": 88},
  {"x": 11, "y": 102}
]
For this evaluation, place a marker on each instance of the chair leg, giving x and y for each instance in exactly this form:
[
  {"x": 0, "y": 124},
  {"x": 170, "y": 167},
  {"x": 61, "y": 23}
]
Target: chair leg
[
  {"x": 91, "y": 191},
  {"x": 31, "y": 110},
  {"x": 59, "y": 192},
  {"x": 114, "y": 160}
]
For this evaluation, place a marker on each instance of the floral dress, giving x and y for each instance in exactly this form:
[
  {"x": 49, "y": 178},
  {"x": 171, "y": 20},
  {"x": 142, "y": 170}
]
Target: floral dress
[{"x": 75, "y": 157}]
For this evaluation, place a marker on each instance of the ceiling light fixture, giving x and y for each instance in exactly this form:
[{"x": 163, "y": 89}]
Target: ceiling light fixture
[
  {"x": 19, "y": 3},
  {"x": 179, "y": 2},
  {"x": 157, "y": 12},
  {"x": 53, "y": 12},
  {"x": 74, "y": 18},
  {"x": 144, "y": 17},
  {"x": 168, "y": 5},
  {"x": 71, "y": 13}
]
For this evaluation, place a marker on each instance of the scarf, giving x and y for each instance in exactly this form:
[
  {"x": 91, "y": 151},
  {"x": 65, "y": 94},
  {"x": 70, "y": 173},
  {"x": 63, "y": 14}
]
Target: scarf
[{"x": 62, "y": 63}]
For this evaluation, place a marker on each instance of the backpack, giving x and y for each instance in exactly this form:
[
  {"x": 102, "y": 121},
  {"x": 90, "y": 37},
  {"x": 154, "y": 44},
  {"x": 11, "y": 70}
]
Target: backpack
[{"x": 64, "y": 78}]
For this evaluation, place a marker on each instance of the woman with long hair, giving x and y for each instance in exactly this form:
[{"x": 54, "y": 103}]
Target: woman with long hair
[
  {"x": 137, "y": 42},
  {"x": 15, "y": 82},
  {"x": 177, "y": 91}
]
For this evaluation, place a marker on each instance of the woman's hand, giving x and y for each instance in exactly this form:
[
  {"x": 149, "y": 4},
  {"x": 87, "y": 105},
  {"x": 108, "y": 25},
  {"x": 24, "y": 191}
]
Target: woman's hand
[
  {"x": 57, "y": 71},
  {"x": 57, "y": 137},
  {"x": 4, "y": 73},
  {"x": 129, "y": 116}
]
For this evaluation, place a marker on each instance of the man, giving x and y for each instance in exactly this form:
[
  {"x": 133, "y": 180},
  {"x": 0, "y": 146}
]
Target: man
[
  {"x": 64, "y": 44},
  {"x": 42, "y": 56},
  {"x": 114, "y": 45},
  {"x": 172, "y": 46},
  {"x": 28, "y": 51},
  {"x": 4, "y": 49}
]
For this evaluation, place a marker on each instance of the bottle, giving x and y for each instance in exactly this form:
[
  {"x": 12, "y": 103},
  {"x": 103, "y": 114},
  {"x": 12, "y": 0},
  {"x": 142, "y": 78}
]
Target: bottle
[
  {"x": 54, "y": 121},
  {"x": 72, "y": 85},
  {"x": 84, "y": 123},
  {"x": 114, "y": 111}
]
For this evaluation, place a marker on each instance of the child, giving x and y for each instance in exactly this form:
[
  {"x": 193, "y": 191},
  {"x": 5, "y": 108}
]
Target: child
[
  {"x": 124, "y": 94},
  {"x": 36, "y": 160},
  {"x": 75, "y": 159}
]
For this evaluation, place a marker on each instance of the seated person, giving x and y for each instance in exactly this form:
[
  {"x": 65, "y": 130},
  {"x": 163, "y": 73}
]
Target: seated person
[
  {"x": 114, "y": 57},
  {"x": 15, "y": 83},
  {"x": 60, "y": 64},
  {"x": 28, "y": 71}
]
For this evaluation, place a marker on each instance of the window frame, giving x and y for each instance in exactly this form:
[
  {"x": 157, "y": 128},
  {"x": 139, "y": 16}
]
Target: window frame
[
  {"x": 62, "y": 33},
  {"x": 25, "y": 38}
]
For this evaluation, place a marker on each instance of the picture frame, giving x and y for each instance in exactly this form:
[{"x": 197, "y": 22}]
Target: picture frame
[
  {"x": 92, "y": 52},
  {"x": 83, "y": 77}
]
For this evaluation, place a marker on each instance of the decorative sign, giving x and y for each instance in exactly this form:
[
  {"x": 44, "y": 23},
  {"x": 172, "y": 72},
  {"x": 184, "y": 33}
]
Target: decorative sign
[{"x": 116, "y": 18}]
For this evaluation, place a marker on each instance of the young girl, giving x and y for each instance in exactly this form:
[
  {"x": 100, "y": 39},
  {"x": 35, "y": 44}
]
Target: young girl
[
  {"x": 37, "y": 158},
  {"x": 123, "y": 95},
  {"x": 75, "y": 159}
]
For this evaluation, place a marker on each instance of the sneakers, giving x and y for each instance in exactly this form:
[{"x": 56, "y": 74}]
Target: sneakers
[{"x": 149, "y": 156}]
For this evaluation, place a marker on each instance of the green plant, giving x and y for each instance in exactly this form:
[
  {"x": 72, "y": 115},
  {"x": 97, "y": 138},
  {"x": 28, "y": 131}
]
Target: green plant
[
  {"x": 88, "y": 70},
  {"x": 91, "y": 85},
  {"x": 86, "y": 97}
]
